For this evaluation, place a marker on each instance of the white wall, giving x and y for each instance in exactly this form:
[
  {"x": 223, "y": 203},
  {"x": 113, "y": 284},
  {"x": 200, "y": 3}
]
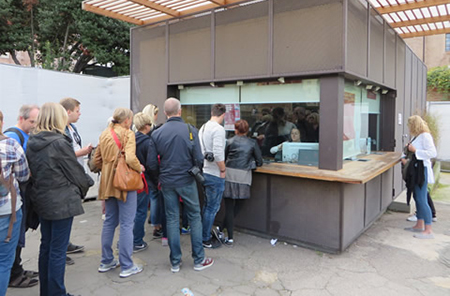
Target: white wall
[
  {"x": 98, "y": 96},
  {"x": 442, "y": 110}
]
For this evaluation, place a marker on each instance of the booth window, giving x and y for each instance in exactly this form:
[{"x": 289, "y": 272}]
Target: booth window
[
  {"x": 283, "y": 117},
  {"x": 361, "y": 120}
]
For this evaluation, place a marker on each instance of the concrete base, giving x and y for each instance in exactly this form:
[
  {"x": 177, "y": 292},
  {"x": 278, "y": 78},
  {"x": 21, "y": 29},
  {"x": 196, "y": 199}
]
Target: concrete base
[{"x": 399, "y": 204}]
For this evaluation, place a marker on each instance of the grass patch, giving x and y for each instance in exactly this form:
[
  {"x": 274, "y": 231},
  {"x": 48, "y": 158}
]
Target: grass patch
[{"x": 442, "y": 193}]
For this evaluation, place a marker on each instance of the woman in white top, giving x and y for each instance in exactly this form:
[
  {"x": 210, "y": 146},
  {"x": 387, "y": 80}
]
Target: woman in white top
[
  {"x": 295, "y": 137},
  {"x": 423, "y": 148}
]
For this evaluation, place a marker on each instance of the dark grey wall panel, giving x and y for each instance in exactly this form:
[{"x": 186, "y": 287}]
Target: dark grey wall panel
[
  {"x": 149, "y": 71},
  {"x": 373, "y": 200},
  {"x": 408, "y": 87},
  {"x": 242, "y": 41},
  {"x": 258, "y": 203},
  {"x": 389, "y": 71},
  {"x": 303, "y": 41},
  {"x": 386, "y": 189},
  {"x": 353, "y": 212},
  {"x": 414, "y": 98},
  {"x": 357, "y": 37},
  {"x": 420, "y": 82},
  {"x": 331, "y": 150},
  {"x": 293, "y": 210},
  {"x": 376, "y": 47},
  {"x": 190, "y": 50}
]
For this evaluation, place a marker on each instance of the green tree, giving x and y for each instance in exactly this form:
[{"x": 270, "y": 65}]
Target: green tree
[
  {"x": 66, "y": 37},
  {"x": 438, "y": 79},
  {"x": 16, "y": 27}
]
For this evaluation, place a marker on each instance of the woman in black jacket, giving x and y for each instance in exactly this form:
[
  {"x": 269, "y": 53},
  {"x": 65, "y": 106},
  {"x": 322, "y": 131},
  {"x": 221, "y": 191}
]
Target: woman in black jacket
[
  {"x": 241, "y": 156},
  {"x": 59, "y": 183}
]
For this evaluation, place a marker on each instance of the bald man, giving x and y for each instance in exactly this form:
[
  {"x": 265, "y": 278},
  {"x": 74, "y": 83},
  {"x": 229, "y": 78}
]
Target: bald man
[{"x": 178, "y": 147}]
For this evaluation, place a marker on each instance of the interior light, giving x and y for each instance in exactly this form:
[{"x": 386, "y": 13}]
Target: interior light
[
  {"x": 358, "y": 82},
  {"x": 281, "y": 80},
  {"x": 212, "y": 84},
  {"x": 240, "y": 83},
  {"x": 180, "y": 86},
  {"x": 384, "y": 91},
  {"x": 369, "y": 86},
  {"x": 377, "y": 88}
]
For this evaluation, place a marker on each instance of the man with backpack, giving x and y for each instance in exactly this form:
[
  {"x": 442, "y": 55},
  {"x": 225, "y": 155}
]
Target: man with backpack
[{"x": 26, "y": 122}]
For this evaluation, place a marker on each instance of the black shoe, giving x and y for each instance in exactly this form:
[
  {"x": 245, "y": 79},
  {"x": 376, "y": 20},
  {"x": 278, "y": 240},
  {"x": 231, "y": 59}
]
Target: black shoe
[
  {"x": 219, "y": 236},
  {"x": 69, "y": 261},
  {"x": 71, "y": 248},
  {"x": 157, "y": 233},
  {"x": 211, "y": 244}
]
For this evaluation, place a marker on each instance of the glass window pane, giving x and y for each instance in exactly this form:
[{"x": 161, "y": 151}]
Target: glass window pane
[
  {"x": 209, "y": 95},
  {"x": 276, "y": 113}
]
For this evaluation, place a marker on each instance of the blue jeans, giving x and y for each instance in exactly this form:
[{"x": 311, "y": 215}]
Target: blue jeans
[
  {"x": 55, "y": 236},
  {"x": 8, "y": 250},
  {"x": 141, "y": 217},
  {"x": 189, "y": 194},
  {"x": 214, "y": 187},
  {"x": 420, "y": 196},
  {"x": 123, "y": 213},
  {"x": 156, "y": 209}
]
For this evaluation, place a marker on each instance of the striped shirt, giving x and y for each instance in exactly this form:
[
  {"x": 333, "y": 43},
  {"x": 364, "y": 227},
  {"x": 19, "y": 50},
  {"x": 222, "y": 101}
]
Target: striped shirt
[{"x": 13, "y": 162}]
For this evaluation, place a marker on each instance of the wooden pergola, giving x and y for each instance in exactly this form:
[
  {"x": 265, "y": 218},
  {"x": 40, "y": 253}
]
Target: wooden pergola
[{"x": 410, "y": 18}]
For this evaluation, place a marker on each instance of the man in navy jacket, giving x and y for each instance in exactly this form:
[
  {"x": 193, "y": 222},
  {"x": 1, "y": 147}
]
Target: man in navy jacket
[{"x": 178, "y": 148}]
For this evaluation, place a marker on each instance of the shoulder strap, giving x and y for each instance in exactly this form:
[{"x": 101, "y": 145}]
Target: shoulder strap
[
  {"x": 18, "y": 133},
  {"x": 114, "y": 135}
]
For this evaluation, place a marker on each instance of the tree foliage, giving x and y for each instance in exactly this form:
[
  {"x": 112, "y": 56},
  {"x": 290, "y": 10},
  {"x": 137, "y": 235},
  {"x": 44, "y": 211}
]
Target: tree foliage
[
  {"x": 61, "y": 36},
  {"x": 438, "y": 79}
]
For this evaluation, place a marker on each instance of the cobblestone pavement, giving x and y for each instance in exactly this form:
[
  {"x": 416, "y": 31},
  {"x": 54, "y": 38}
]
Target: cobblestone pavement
[{"x": 385, "y": 260}]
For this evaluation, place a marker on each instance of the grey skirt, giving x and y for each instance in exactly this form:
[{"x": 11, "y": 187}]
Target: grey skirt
[{"x": 236, "y": 190}]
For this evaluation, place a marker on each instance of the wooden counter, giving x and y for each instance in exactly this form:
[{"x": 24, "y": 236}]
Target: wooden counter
[
  {"x": 320, "y": 209},
  {"x": 353, "y": 172}
]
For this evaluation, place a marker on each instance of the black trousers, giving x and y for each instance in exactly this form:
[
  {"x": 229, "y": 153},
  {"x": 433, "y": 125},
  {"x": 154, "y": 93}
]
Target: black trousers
[
  {"x": 232, "y": 208},
  {"x": 17, "y": 269}
]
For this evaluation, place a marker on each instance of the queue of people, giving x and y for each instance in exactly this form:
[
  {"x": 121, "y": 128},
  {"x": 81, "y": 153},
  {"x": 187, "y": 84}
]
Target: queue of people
[{"x": 172, "y": 159}]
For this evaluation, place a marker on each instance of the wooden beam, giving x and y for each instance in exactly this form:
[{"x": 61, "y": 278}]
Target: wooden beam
[
  {"x": 218, "y": 2},
  {"x": 426, "y": 33},
  {"x": 194, "y": 10},
  {"x": 110, "y": 14},
  {"x": 410, "y": 6},
  {"x": 158, "y": 7},
  {"x": 428, "y": 20}
]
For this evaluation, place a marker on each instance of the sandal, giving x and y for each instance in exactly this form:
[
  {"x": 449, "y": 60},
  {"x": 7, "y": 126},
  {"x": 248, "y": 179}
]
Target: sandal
[
  {"x": 30, "y": 273},
  {"x": 23, "y": 282}
]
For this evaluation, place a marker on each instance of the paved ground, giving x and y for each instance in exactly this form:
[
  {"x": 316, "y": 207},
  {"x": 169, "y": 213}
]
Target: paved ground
[{"x": 385, "y": 260}]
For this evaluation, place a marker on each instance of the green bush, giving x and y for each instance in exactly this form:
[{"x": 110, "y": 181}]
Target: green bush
[{"x": 438, "y": 79}]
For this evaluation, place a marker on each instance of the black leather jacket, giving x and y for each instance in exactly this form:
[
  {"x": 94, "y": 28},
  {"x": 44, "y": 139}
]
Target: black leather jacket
[
  {"x": 242, "y": 153},
  {"x": 59, "y": 181}
]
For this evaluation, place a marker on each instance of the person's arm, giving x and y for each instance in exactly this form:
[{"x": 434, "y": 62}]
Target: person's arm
[
  {"x": 257, "y": 155},
  {"x": 152, "y": 162},
  {"x": 70, "y": 167},
  {"x": 98, "y": 160},
  {"x": 84, "y": 151},
  {"x": 130, "y": 151},
  {"x": 21, "y": 170},
  {"x": 428, "y": 151},
  {"x": 219, "y": 150}
]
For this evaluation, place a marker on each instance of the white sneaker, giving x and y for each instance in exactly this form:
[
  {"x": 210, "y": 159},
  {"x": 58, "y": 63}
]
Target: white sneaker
[
  {"x": 434, "y": 219},
  {"x": 107, "y": 267},
  {"x": 136, "y": 268},
  {"x": 412, "y": 218}
]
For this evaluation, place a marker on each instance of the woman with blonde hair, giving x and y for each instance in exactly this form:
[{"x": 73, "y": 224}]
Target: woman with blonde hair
[
  {"x": 59, "y": 183},
  {"x": 120, "y": 205},
  {"x": 422, "y": 149}
]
